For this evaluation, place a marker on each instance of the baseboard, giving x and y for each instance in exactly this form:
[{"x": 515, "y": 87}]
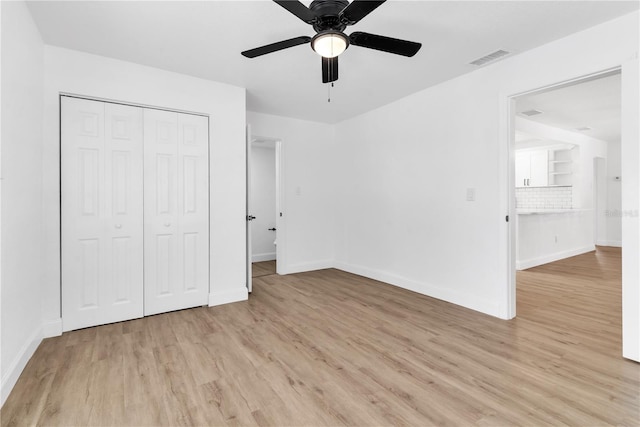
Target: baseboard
[
  {"x": 612, "y": 243},
  {"x": 307, "y": 266},
  {"x": 557, "y": 256},
  {"x": 52, "y": 328},
  {"x": 263, "y": 257},
  {"x": 17, "y": 365},
  {"x": 227, "y": 297},
  {"x": 473, "y": 302}
]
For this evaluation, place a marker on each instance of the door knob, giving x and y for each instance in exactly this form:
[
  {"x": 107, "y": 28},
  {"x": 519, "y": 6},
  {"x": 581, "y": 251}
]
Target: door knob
[
  {"x": 272, "y": 229},
  {"x": 118, "y": 225},
  {"x": 250, "y": 217},
  {"x": 166, "y": 224}
]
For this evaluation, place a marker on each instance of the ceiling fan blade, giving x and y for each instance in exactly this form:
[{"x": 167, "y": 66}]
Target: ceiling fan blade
[
  {"x": 358, "y": 9},
  {"x": 274, "y": 47},
  {"x": 329, "y": 69},
  {"x": 298, "y": 9},
  {"x": 385, "y": 44}
]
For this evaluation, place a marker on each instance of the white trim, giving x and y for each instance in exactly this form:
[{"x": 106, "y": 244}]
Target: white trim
[
  {"x": 52, "y": 328},
  {"x": 557, "y": 256},
  {"x": 613, "y": 243},
  {"x": 482, "y": 305},
  {"x": 270, "y": 256},
  {"x": 307, "y": 266},
  {"x": 17, "y": 365},
  {"x": 226, "y": 297}
]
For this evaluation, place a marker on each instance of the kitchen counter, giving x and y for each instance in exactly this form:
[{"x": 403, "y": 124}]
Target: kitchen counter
[
  {"x": 548, "y": 211},
  {"x": 547, "y": 235}
]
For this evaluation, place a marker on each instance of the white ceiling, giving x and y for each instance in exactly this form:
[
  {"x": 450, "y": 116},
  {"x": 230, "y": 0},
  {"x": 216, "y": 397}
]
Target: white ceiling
[
  {"x": 594, "y": 103},
  {"x": 205, "y": 38}
]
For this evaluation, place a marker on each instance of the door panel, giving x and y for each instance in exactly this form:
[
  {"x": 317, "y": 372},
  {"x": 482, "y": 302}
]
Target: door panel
[
  {"x": 101, "y": 211},
  {"x": 177, "y": 214}
]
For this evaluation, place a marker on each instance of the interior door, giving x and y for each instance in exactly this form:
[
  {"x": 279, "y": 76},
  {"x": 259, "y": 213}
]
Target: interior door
[
  {"x": 249, "y": 216},
  {"x": 176, "y": 219},
  {"x": 101, "y": 212}
]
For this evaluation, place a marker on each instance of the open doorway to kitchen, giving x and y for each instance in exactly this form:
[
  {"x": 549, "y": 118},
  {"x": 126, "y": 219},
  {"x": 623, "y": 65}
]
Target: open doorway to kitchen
[{"x": 567, "y": 169}]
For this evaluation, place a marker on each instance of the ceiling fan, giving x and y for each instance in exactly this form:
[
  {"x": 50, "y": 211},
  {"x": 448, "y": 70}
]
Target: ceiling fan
[{"x": 329, "y": 19}]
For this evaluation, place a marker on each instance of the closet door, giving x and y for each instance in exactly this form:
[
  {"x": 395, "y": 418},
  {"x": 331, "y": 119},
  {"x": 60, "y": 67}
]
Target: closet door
[
  {"x": 101, "y": 213},
  {"x": 176, "y": 217}
]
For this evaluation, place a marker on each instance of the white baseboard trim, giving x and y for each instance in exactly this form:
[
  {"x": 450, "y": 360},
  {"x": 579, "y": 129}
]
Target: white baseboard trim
[
  {"x": 17, "y": 365},
  {"x": 557, "y": 256},
  {"x": 263, "y": 257},
  {"x": 307, "y": 266},
  {"x": 227, "y": 297},
  {"x": 52, "y": 328},
  {"x": 473, "y": 302},
  {"x": 613, "y": 243}
]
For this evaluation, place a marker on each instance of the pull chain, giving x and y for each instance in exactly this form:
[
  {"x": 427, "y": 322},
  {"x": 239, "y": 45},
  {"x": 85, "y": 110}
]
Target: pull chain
[{"x": 329, "y": 92}]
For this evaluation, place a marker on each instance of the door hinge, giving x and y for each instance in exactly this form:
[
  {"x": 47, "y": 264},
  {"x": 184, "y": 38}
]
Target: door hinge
[{"x": 506, "y": 218}]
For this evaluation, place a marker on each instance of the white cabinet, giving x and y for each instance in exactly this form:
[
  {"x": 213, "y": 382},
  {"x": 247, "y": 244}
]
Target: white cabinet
[{"x": 532, "y": 168}]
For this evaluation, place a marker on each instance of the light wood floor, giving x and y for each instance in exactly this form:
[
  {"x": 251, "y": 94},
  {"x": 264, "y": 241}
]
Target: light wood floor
[
  {"x": 331, "y": 348},
  {"x": 264, "y": 268}
]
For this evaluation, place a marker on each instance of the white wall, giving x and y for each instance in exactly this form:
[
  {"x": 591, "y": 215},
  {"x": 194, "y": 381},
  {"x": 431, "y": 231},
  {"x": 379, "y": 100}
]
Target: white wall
[
  {"x": 613, "y": 214},
  {"x": 22, "y": 214},
  {"x": 405, "y": 168},
  {"x": 309, "y": 175},
  {"x": 263, "y": 201},
  {"x": 89, "y": 75}
]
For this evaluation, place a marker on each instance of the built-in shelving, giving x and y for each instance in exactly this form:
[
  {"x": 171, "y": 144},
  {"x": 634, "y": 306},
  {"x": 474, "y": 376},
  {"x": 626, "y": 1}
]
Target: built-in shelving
[{"x": 560, "y": 167}]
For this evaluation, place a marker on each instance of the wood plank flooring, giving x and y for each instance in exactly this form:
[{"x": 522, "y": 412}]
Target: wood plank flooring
[
  {"x": 264, "y": 268},
  {"x": 331, "y": 348}
]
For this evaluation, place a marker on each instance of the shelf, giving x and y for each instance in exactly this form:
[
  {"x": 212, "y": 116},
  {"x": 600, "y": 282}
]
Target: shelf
[
  {"x": 560, "y": 173},
  {"x": 560, "y": 161}
]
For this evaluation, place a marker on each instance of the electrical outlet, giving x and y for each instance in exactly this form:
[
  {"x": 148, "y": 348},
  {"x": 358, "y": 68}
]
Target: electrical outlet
[{"x": 471, "y": 194}]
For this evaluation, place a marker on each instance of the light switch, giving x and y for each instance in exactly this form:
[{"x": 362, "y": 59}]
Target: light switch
[{"x": 471, "y": 194}]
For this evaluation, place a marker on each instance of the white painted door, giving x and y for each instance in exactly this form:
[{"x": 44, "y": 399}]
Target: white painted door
[
  {"x": 249, "y": 217},
  {"x": 101, "y": 212},
  {"x": 176, "y": 218}
]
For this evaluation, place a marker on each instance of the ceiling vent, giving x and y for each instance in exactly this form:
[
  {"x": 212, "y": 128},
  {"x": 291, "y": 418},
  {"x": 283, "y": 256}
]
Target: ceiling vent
[
  {"x": 530, "y": 113},
  {"x": 490, "y": 57},
  {"x": 583, "y": 128}
]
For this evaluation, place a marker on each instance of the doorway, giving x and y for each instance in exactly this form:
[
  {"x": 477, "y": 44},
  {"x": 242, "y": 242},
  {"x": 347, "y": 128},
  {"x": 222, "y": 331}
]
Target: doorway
[
  {"x": 263, "y": 182},
  {"x": 568, "y": 135}
]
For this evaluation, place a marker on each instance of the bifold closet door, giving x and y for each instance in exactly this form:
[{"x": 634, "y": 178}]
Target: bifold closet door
[
  {"x": 102, "y": 212},
  {"x": 176, "y": 219}
]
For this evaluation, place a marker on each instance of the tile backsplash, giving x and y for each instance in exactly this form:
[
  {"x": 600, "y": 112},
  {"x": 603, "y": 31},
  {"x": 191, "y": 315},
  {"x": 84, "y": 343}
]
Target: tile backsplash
[{"x": 529, "y": 198}]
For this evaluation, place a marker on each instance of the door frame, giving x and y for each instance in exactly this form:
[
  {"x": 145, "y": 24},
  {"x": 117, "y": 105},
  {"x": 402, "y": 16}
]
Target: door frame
[{"x": 510, "y": 103}]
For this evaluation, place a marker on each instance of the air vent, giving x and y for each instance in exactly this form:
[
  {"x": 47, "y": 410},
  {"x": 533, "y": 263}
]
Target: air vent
[
  {"x": 583, "y": 128},
  {"x": 530, "y": 113},
  {"x": 490, "y": 57}
]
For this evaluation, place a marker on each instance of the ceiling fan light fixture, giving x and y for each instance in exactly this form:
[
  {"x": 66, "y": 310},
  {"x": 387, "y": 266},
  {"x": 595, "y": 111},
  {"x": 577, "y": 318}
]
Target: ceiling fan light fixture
[{"x": 329, "y": 44}]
